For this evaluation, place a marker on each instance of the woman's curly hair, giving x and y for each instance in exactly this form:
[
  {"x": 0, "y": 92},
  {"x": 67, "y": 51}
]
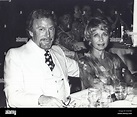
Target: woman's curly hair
[{"x": 93, "y": 24}]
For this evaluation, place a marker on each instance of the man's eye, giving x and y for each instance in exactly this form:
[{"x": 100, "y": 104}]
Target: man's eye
[
  {"x": 41, "y": 29},
  {"x": 52, "y": 29}
]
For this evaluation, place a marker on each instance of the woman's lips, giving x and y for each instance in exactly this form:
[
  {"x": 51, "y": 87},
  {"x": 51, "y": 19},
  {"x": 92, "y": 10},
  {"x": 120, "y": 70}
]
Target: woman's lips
[{"x": 101, "y": 44}]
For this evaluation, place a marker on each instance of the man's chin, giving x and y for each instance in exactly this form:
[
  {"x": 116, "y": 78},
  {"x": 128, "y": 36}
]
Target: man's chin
[{"x": 45, "y": 47}]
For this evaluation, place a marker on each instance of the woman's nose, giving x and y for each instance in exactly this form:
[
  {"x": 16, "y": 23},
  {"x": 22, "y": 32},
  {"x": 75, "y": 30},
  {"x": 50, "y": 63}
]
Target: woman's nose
[{"x": 101, "y": 38}]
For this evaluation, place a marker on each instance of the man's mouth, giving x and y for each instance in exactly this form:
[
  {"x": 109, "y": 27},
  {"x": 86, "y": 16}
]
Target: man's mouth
[{"x": 45, "y": 41}]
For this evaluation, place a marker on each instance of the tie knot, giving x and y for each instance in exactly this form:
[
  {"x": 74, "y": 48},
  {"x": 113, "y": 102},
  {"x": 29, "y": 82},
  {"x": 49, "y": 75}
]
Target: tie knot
[{"x": 47, "y": 53}]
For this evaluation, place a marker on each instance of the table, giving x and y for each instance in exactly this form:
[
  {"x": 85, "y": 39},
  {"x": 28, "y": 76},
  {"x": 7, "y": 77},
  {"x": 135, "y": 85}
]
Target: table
[{"x": 80, "y": 100}]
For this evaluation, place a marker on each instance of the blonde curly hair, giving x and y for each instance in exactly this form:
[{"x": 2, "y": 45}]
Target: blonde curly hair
[{"x": 93, "y": 24}]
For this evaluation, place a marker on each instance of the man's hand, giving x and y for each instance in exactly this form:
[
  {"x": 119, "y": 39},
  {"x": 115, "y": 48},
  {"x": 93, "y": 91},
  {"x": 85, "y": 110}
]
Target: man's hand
[{"x": 49, "y": 101}]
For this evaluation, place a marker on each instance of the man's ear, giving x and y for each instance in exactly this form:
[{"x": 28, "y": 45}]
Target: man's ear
[{"x": 31, "y": 33}]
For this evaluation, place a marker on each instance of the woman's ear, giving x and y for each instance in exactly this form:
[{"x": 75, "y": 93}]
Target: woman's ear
[{"x": 110, "y": 34}]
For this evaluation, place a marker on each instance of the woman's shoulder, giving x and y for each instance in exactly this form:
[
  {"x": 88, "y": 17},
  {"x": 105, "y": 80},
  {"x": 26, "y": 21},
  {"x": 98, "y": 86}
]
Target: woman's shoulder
[
  {"x": 112, "y": 55},
  {"x": 114, "y": 58}
]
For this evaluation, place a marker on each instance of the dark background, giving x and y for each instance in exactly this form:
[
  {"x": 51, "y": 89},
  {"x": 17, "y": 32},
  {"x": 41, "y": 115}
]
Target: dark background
[{"x": 10, "y": 15}]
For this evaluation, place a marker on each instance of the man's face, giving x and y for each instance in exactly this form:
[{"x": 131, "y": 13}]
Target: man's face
[{"x": 43, "y": 32}]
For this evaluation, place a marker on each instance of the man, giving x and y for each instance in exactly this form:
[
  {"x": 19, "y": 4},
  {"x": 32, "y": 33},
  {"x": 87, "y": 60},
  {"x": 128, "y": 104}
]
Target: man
[{"x": 29, "y": 81}]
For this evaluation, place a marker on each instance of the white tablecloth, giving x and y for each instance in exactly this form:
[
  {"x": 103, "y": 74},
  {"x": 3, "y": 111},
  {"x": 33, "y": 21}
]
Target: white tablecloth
[{"x": 80, "y": 100}]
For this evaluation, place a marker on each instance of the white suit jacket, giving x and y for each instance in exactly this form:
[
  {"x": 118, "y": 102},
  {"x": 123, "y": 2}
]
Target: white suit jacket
[{"x": 27, "y": 76}]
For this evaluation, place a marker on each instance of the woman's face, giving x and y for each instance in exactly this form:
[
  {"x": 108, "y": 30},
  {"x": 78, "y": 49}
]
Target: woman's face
[{"x": 99, "y": 39}]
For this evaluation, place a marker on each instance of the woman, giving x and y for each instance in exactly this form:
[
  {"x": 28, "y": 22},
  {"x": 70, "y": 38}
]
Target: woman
[{"x": 98, "y": 67}]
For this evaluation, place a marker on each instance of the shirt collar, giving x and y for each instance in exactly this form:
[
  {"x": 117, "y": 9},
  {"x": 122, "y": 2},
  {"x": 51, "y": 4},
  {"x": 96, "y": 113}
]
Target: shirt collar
[{"x": 35, "y": 48}]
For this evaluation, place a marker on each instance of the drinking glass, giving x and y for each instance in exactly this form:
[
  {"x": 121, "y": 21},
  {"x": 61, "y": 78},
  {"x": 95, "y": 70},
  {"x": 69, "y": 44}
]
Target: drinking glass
[
  {"x": 135, "y": 88},
  {"x": 120, "y": 90},
  {"x": 98, "y": 98},
  {"x": 105, "y": 99},
  {"x": 93, "y": 96}
]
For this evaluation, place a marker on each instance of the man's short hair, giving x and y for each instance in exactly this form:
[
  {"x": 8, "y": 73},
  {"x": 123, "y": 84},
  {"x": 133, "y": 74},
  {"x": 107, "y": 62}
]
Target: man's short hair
[{"x": 38, "y": 14}]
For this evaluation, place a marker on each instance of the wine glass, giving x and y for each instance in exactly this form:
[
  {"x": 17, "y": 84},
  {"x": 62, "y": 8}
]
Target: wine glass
[
  {"x": 120, "y": 90},
  {"x": 105, "y": 99},
  {"x": 93, "y": 96}
]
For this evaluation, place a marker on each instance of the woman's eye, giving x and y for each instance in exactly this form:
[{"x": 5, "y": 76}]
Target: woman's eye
[
  {"x": 105, "y": 34},
  {"x": 40, "y": 29},
  {"x": 95, "y": 35}
]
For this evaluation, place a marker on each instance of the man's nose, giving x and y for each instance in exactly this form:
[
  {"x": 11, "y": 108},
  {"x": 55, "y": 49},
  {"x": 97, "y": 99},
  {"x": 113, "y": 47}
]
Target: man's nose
[{"x": 47, "y": 33}]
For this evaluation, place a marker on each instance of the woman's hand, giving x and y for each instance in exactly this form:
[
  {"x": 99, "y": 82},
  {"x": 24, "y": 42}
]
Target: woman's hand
[{"x": 79, "y": 46}]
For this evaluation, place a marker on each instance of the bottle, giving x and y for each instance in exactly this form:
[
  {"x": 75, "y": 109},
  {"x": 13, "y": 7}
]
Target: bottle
[{"x": 122, "y": 31}]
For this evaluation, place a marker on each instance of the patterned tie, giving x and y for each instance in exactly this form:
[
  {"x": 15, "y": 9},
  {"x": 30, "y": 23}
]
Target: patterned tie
[{"x": 48, "y": 60}]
